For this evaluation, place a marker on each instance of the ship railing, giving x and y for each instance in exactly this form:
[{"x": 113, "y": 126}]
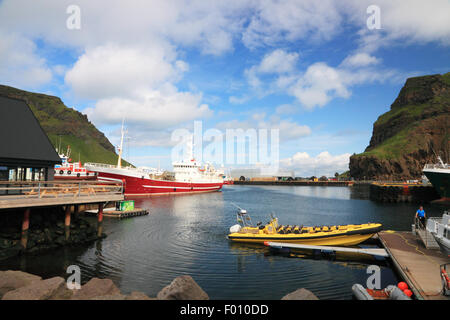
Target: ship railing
[
  {"x": 112, "y": 166},
  {"x": 436, "y": 166},
  {"x": 19, "y": 190},
  {"x": 103, "y": 165}
]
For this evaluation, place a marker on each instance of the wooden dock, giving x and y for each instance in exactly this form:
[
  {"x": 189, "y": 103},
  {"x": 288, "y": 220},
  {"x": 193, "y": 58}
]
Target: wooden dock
[
  {"x": 417, "y": 265},
  {"x": 113, "y": 213},
  {"x": 28, "y": 194},
  {"x": 23, "y": 196}
]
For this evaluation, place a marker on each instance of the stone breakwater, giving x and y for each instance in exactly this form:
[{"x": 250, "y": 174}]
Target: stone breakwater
[
  {"x": 46, "y": 231},
  {"x": 402, "y": 193},
  {"x": 18, "y": 285}
]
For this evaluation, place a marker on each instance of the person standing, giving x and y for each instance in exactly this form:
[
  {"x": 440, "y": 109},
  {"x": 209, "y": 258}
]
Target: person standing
[{"x": 421, "y": 215}]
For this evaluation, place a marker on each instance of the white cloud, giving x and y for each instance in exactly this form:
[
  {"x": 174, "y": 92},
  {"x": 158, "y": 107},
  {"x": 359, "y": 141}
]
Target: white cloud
[
  {"x": 156, "y": 109},
  {"x": 288, "y": 129},
  {"x": 321, "y": 83},
  {"x": 278, "y": 61},
  {"x": 277, "y": 21},
  {"x": 114, "y": 71},
  {"x": 318, "y": 85},
  {"x": 360, "y": 59},
  {"x": 322, "y": 164},
  {"x": 286, "y": 109},
  {"x": 413, "y": 21},
  {"x": 19, "y": 63}
]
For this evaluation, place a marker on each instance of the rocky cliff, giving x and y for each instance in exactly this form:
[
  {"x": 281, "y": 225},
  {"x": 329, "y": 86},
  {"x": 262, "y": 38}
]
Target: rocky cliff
[
  {"x": 411, "y": 134},
  {"x": 66, "y": 126}
]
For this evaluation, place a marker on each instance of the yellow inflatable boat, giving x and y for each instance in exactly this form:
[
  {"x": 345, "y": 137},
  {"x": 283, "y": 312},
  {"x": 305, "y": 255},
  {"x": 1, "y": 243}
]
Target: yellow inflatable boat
[{"x": 342, "y": 235}]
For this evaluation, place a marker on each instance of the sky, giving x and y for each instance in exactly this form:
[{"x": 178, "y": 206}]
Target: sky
[{"x": 319, "y": 73}]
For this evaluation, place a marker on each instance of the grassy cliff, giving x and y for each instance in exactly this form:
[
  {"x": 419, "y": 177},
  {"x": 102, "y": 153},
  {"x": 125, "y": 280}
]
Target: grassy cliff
[
  {"x": 66, "y": 126},
  {"x": 412, "y": 133}
]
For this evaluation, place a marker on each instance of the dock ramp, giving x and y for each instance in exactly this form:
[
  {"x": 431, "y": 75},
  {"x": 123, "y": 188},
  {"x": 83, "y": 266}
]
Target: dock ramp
[{"x": 369, "y": 251}]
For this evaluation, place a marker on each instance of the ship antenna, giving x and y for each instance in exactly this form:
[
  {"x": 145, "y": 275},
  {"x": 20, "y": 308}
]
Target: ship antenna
[{"x": 119, "y": 160}]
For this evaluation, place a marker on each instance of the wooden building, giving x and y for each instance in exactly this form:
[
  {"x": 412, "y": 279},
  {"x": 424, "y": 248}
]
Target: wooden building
[{"x": 26, "y": 153}]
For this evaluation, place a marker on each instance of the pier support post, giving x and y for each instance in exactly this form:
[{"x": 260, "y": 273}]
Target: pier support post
[
  {"x": 67, "y": 223},
  {"x": 25, "y": 226},
  {"x": 100, "y": 220}
]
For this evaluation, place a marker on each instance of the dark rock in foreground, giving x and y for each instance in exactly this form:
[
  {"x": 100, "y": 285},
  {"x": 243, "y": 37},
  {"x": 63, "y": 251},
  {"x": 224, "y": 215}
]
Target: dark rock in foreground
[
  {"x": 183, "y": 288},
  {"x": 12, "y": 280},
  {"x": 300, "y": 294},
  {"x": 18, "y": 285}
]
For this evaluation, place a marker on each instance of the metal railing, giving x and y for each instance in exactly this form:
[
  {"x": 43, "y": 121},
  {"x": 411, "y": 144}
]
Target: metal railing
[
  {"x": 19, "y": 190},
  {"x": 436, "y": 166}
]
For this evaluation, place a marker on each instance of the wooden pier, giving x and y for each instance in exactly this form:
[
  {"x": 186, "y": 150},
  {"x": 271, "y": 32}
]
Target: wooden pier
[
  {"x": 27, "y": 194},
  {"x": 23, "y": 196},
  {"x": 113, "y": 213},
  {"x": 417, "y": 265}
]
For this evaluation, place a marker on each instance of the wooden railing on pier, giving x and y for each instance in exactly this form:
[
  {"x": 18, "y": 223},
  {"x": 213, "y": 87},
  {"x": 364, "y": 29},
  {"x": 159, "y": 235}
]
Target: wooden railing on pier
[{"x": 21, "y": 194}]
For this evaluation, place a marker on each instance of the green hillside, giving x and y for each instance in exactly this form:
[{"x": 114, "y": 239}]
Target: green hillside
[
  {"x": 66, "y": 126},
  {"x": 413, "y": 132}
]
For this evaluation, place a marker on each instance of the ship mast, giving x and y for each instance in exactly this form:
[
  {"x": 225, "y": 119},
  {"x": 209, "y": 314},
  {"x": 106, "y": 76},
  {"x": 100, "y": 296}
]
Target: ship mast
[{"x": 119, "y": 160}]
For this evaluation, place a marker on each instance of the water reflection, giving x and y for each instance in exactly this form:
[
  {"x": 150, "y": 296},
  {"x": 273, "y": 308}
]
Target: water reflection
[{"x": 186, "y": 234}]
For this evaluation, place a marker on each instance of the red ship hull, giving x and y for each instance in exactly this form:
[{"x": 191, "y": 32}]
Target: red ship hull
[{"x": 141, "y": 187}]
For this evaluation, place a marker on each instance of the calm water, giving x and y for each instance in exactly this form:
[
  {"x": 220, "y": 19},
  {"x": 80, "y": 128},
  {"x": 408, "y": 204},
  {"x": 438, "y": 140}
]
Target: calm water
[{"x": 187, "y": 235}]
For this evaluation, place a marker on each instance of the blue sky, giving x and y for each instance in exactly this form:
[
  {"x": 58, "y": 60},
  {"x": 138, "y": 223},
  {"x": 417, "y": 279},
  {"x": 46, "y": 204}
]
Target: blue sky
[{"x": 313, "y": 70}]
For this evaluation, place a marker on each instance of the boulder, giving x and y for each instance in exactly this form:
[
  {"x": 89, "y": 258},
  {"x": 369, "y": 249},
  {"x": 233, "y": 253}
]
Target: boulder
[
  {"x": 12, "y": 280},
  {"x": 96, "y": 288},
  {"x": 53, "y": 288},
  {"x": 111, "y": 297},
  {"x": 183, "y": 288},
  {"x": 136, "y": 295},
  {"x": 300, "y": 294}
]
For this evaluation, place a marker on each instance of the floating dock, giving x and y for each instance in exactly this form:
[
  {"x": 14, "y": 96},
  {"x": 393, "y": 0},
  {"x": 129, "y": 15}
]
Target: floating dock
[
  {"x": 417, "y": 265},
  {"x": 369, "y": 251},
  {"x": 113, "y": 213}
]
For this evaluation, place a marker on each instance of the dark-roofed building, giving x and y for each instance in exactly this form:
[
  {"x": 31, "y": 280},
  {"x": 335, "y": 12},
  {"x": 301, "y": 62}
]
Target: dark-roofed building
[{"x": 26, "y": 153}]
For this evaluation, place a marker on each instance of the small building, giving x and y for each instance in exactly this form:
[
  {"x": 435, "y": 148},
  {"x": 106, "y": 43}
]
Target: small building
[
  {"x": 262, "y": 173},
  {"x": 26, "y": 153}
]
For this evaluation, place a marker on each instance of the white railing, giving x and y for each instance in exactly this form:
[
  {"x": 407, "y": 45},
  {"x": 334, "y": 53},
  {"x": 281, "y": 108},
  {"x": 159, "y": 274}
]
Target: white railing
[
  {"x": 103, "y": 165},
  {"x": 436, "y": 166}
]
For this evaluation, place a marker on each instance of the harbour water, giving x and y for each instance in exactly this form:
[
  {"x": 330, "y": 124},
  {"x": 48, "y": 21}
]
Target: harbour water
[{"x": 186, "y": 234}]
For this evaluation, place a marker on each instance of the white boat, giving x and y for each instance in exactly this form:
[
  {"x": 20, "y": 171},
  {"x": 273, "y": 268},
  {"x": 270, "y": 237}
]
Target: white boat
[
  {"x": 440, "y": 229},
  {"x": 439, "y": 176},
  {"x": 69, "y": 170}
]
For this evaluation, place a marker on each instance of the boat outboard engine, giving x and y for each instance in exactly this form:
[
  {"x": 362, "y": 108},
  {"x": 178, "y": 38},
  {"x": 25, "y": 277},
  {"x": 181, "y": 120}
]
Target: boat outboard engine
[{"x": 235, "y": 228}]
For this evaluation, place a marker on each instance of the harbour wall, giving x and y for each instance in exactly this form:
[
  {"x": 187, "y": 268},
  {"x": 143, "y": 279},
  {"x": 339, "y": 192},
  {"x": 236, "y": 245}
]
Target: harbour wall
[
  {"x": 375, "y": 191},
  {"x": 294, "y": 183},
  {"x": 402, "y": 193},
  {"x": 46, "y": 231}
]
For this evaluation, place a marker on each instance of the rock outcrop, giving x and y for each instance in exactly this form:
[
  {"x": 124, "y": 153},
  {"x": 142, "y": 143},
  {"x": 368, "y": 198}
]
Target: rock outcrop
[
  {"x": 411, "y": 134},
  {"x": 18, "y": 285},
  {"x": 183, "y": 288},
  {"x": 11, "y": 280},
  {"x": 300, "y": 294}
]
